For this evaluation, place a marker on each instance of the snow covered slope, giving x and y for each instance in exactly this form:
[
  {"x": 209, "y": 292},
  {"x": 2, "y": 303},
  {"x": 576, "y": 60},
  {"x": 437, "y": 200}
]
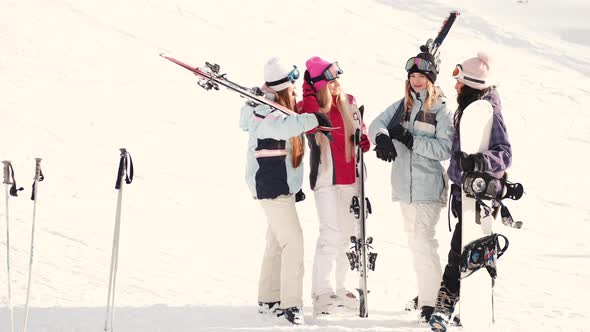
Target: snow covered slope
[{"x": 80, "y": 79}]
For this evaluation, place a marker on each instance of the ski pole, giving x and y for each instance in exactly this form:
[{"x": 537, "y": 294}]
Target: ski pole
[
  {"x": 125, "y": 171},
  {"x": 38, "y": 178},
  {"x": 10, "y": 191}
]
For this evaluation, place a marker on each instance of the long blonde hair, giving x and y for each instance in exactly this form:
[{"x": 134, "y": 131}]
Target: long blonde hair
[
  {"x": 284, "y": 98},
  {"x": 325, "y": 101},
  {"x": 433, "y": 93}
]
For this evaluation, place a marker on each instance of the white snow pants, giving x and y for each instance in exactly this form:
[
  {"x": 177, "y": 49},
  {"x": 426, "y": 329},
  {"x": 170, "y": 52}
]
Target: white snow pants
[
  {"x": 420, "y": 221},
  {"x": 281, "y": 275},
  {"x": 337, "y": 224}
]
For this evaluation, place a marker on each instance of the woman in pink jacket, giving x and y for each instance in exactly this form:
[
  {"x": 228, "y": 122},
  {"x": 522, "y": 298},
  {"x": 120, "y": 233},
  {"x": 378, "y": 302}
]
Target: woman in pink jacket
[{"x": 333, "y": 180}]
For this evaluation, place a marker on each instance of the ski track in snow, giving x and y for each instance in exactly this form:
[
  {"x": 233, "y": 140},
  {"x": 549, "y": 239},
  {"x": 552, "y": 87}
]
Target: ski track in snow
[{"x": 83, "y": 79}]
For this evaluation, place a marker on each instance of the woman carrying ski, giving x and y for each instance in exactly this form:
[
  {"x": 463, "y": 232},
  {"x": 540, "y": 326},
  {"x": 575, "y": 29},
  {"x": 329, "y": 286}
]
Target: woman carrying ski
[
  {"x": 274, "y": 174},
  {"x": 333, "y": 180},
  {"x": 415, "y": 133}
]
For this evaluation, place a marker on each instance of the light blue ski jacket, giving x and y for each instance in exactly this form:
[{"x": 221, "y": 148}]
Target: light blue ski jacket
[
  {"x": 417, "y": 175},
  {"x": 269, "y": 170}
]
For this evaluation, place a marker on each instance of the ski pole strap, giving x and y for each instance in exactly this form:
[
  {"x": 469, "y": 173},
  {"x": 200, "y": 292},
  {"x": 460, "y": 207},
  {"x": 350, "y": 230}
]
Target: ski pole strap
[
  {"x": 38, "y": 177},
  {"x": 9, "y": 178},
  {"x": 125, "y": 169}
]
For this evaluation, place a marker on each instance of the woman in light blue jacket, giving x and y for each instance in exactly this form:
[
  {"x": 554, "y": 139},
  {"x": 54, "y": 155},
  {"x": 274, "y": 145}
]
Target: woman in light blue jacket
[
  {"x": 274, "y": 174},
  {"x": 417, "y": 139}
]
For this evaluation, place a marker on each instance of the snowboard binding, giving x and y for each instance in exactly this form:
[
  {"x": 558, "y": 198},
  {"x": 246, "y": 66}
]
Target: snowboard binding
[
  {"x": 483, "y": 186},
  {"x": 483, "y": 252}
]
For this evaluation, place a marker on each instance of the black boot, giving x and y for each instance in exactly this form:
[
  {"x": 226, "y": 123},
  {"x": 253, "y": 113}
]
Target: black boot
[
  {"x": 294, "y": 315},
  {"x": 445, "y": 305},
  {"x": 425, "y": 313},
  {"x": 412, "y": 304},
  {"x": 269, "y": 307}
]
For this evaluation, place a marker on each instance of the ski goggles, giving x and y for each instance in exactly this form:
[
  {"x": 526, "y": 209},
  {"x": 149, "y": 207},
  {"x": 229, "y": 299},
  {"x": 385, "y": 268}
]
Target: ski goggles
[
  {"x": 460, "y": 75},
  {"x": 291, "y": 77},
  {"x": 329, "y": 74},
  {"x": 421, "y": 64}
]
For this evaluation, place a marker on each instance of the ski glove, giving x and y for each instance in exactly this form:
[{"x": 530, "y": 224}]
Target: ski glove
[
  {"x": 323, "y": 121},
  {"x": 384, "y": 148},
  {"x": 308, "y": 90},
  {"x": 471, "y": 162},
  {"x": 364, "y": 142},
  {"x": 401, "y": 134},
  {"x": 299, "y": 196}
]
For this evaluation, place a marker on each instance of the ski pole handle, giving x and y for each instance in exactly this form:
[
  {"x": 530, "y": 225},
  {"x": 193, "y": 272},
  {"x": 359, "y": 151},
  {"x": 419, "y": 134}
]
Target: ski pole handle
[
  {"x": 7, "y": 177},
  {"x": 125, "y": 168},
  {"x": 38, "y": 173}
]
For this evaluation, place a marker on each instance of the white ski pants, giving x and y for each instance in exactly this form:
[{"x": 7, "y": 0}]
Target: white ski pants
[
  {"x": 337, "y": 224},
  {"x": 420, "y": 221},
  {"x": 281, "y": 275}
]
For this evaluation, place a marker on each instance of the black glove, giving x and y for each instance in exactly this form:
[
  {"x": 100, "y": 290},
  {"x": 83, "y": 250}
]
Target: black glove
[
  {"x": 384, "y": 148},
  {"x": 323, "y": 121},
  {"x": 299, "y": 196},
  {"x": 470, "y": 162},
  {"x": 401, "y": 134}
]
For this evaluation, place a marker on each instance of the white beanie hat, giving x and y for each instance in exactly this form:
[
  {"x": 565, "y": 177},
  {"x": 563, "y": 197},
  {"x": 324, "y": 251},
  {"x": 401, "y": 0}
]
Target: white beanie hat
[
  {"x": 475, "y": 72},
  {"x": 275, "y": 70}
]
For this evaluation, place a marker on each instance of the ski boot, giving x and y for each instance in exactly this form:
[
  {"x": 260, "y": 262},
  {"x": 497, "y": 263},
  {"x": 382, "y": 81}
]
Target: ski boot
[
  {"x": 412, "y": 304},
  {"x": 324, "y": 304},
  {"x": 346, "y": 299},
  {"x": 269, "y": 307},
  {"x": 445, "y": 305},
  {"x": 294, "y": 315}
]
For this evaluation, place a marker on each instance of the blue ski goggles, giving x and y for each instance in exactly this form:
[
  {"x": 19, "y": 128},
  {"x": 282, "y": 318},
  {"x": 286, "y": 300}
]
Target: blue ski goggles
[
  {"x": 291, "y": 77},
  {"x": 421, "y": 64},
  {"x": 329, "y": 74}
]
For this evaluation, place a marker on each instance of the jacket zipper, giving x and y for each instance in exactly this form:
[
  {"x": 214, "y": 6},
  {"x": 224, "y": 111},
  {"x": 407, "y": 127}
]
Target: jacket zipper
[{"x": 411, "y": 123}]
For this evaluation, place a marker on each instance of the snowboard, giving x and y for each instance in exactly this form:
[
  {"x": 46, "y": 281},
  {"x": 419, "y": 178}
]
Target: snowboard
[{"x": 475, "y": 294}]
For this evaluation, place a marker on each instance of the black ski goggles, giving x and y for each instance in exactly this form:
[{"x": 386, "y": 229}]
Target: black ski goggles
[
  {"x": 291, "y": 77},
  {"x": 421, "y": 64},
  {"x": 329, "y": 74},
  {"x": 460, "y": 75}
]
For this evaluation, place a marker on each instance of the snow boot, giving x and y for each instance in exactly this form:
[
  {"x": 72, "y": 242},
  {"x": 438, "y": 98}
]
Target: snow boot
[
  {"x": 412, "y": 304},
  {"x": 294, "y": 315},
  {"x": 425, "y": 313},
  {"x": 269, "y": 307},
  {"x": 445, "y": 305},
  {"x": 324, "y": 304},
  {"x": 346, "y": 299}
]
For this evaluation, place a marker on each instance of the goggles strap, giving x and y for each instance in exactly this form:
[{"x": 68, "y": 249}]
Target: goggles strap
[{"x": 277, "y": 82}]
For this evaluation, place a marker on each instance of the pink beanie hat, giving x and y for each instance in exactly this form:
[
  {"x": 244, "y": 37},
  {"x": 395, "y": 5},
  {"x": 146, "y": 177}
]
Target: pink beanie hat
[
  {"x": 316, "y": 66},
  {"x": 475, "y": 72}
]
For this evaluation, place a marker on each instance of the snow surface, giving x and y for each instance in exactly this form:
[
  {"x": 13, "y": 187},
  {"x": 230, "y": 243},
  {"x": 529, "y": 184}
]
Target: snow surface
[{"x": 80, "y": 79}]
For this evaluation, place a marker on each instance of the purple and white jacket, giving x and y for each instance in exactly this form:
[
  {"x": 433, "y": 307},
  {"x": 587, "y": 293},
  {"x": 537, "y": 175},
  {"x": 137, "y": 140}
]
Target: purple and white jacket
[{"x": 498, "y": 157}]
